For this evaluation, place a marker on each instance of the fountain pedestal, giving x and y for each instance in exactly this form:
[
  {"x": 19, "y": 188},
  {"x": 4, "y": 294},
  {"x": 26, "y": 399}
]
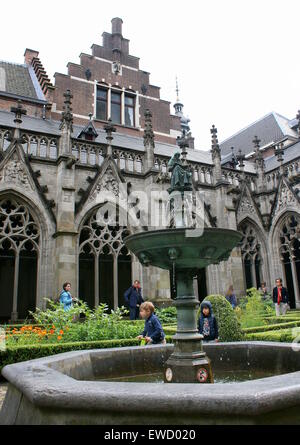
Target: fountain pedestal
[
  {"x": 175, "y": 250},
  {"x": 188, "y": 363},
  {"x": 182, "y": 251}
]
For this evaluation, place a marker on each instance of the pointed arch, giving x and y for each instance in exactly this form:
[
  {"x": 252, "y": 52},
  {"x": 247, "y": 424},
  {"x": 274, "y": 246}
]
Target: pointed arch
[
  {"x": 254, "y": 253},
  {"x": 104, "y": 262},
  {"x": 24, "y": 234},
  {"x": 285, "y": 242}
]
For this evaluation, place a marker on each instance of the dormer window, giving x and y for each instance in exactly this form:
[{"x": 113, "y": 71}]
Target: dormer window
[
  {"x": 89, "y": 133},
  {"x": 89, "y": 137}
]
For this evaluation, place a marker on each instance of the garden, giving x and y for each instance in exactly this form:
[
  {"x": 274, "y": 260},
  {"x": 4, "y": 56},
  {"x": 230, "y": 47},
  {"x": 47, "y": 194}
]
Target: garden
[{"x": 53, "y": 331}]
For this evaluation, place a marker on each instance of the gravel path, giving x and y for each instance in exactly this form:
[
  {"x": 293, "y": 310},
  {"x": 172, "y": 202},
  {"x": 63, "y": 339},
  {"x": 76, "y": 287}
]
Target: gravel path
[{"x": 3, "y": 388}]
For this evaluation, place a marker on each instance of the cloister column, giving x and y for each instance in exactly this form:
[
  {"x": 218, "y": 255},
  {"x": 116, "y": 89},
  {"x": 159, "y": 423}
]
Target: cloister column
[
  {"x": 14, "y": 314},
  {"x": 66, "y": 237},
  {"x": 116, "y": 286},
  {"x": 296, "y": 283}
]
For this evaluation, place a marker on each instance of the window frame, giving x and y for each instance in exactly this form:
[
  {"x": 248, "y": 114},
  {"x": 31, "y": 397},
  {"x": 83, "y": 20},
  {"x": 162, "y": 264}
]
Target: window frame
[
  {"x": 132, "y": 107},
  {"x": 100, "y": 99}
]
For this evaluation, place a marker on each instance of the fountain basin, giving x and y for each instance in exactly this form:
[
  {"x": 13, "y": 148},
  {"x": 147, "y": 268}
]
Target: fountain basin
[
  {"x": 158, "y": 247},
  {"x": 60, "y": 390}
]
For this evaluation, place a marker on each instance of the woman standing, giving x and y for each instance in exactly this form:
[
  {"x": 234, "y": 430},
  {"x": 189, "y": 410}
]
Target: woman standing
[{"x": 66, "y": 298}]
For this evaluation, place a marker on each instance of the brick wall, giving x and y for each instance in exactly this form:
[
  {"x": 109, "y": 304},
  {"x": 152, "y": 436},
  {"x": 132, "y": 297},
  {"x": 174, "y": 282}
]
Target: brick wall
[
  {"x": 35, "y": 110},
  {"x": 101, "y": 71}
]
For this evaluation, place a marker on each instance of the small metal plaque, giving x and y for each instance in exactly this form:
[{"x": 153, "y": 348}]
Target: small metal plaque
[
  {"x": 169, "y": 375},
  {"x": 202, "y": 375}
]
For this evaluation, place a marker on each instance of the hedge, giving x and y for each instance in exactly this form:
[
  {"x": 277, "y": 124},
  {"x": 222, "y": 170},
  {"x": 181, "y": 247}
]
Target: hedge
[
  {"x": 276, "y": 320},
  {"x": 17, "y": 354},
  {"x": 284, "y": 336},
  {"x": 274, "y": 327},
  {"x": 229, "y": 326},
  {"x": 170, "y": 330}
]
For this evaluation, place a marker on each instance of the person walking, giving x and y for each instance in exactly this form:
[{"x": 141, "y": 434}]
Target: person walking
[
  {"x": 66, "y": 298},
  {"x": 133, "y": 298},
  {"x": 280, "y": 298},
  {"x": 231, "y": 297}
]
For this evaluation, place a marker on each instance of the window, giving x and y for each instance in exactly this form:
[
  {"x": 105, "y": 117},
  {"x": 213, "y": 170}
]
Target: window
[
  {"x": 117, "y": 105},
  {"x": 129, "y": 111},
  {"x": 116, "y": 108},
  {"x": 102, "y": 104}
]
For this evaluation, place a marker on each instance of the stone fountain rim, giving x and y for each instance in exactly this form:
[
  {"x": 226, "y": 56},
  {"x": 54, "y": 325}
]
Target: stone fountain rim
[
  {"x": 47, "y": 387},
  {"x": 182, "y": 230}
]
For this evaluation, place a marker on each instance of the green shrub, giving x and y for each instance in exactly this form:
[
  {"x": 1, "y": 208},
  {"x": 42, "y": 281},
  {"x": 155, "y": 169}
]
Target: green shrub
[
  {"x": 167, "y": 315},
  {"x": 229, "y": 326},
  {"x": 56, "y": 315},
  {"x": 254, "y": 309},
  {"x": 24, "y": 353}
]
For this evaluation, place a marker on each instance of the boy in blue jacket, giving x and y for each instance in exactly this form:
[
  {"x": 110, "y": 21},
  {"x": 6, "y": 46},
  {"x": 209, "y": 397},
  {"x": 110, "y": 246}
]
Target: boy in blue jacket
[
  {"x": 208, "y": 326},
  {"x": 153, "y": 332}
]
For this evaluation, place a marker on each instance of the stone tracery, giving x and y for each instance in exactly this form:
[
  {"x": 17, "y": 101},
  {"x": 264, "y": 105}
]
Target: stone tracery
[{"x": 19, "y": 253}]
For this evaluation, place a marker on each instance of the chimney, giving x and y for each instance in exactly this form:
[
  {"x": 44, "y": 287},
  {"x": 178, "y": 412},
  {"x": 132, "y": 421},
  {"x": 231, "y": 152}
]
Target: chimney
[
  {"x": 117, "y": 26},
  {"x": 117, "y": 38},
  {"x": 29, "y": 55}
]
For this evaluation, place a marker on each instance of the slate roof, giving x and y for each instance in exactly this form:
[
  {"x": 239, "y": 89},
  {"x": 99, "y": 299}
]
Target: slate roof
[
  {"x": 290, "y": 153},
  {"x": 271, "y": 128},
  {"x": 19, "y": 80},
  {"x": 51, "y": 127}
]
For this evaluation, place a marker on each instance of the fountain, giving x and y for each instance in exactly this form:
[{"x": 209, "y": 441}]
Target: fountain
[
  {"x": 178, "y": 251},
  {"x": 88, "y": 387}
]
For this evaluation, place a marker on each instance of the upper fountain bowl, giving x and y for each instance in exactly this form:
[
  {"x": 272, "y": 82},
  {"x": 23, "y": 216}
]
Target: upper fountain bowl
[{"x": 164, "y": 248}]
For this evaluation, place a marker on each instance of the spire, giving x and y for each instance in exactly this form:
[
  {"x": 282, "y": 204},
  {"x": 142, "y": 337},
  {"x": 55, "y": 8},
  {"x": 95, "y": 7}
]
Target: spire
[
  {"x": 177, "y": 90},
  {"x": 109, "y": 129},
  {"x": 240, "y": 158},
  {"x": 278, "y": 151},
  {"x": 256, "y": 143},
  {"x": 234, "y": 160},
  {"x": 179, "y": 112},
  {"x": 148, "y": 131},
  {"x": 149, "y": 140},
  {"x": 216, "y": 154},
  {"x": 258, "y": 156},
  {"x": 67, "y": 115},
  {"x": 259, "y": 165},
  {"x": 215, "y": 148}
]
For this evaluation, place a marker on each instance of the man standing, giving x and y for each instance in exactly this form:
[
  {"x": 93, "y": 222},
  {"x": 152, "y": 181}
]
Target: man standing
[
  {"x": 280, "y": 298},
  {"x": 133, "y": 298}
]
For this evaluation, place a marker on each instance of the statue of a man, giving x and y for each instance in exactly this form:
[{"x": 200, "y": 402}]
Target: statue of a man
[{"x": 181, "y": 178}]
